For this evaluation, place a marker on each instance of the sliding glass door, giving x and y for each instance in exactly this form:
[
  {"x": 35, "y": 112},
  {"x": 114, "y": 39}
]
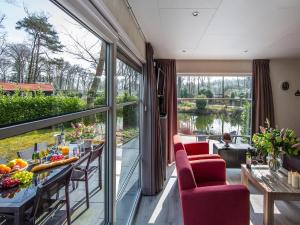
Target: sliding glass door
[{"x": 128, "y": 141}]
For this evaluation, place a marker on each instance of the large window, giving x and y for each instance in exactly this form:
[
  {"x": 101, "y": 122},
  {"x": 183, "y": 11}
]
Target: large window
[
  {"x": 128, "y": 140},
  {"x": 52, "y": 67},
  {"x": 49, "y": 63},
  {"x": 209, "y": 106},
  {"x": 57, "y": 80}
]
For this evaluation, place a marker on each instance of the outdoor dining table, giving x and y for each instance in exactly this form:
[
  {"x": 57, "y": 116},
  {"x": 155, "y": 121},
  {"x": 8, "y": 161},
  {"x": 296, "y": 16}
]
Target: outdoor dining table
[{"x": 23, "y": 198}]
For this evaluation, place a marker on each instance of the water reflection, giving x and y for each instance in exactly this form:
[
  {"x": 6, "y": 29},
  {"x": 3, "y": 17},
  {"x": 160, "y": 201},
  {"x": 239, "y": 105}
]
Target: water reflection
[{"x": 213, "y": 124}]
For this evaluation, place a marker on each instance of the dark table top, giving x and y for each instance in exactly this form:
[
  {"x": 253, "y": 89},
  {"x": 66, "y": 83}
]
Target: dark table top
[
  {"x": 221, "y": 146},
  {"x": 15, "y": 198},
  {"x": 18, "y": 196}
]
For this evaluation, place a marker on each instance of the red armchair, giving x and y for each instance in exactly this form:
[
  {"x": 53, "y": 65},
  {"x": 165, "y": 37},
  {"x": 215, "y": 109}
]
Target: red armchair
[
  {"x": 195, "y": 151},
  {"x": 205, "y": 197}
]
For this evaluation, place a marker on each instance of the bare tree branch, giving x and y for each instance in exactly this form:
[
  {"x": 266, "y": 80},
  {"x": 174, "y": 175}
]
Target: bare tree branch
[{"x": 82, "y": 51}]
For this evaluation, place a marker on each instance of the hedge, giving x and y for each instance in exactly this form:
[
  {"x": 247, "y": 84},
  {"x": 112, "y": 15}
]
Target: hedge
[
  {"x": 17, "y": 108},
  {"x": 31, "y": 106}
]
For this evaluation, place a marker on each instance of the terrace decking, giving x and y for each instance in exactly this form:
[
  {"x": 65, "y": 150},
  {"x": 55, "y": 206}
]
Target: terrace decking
[{"x": 126, "y": 189}]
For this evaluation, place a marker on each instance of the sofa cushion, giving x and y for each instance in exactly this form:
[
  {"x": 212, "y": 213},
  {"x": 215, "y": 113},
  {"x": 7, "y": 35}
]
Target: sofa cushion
[
  {"x": 203, "y": 156},
  {"x": 184, "y": 171}
]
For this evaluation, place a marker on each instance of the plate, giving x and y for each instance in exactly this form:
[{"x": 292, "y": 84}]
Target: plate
[{"x": 11, "y": 173}]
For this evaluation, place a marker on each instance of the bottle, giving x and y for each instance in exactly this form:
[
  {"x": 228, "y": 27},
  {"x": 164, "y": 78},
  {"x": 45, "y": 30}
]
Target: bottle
[
  {"x": 62, "y": 136},
  {"x": 248, "y": 159},
  {"x": 35, "y": 154}
]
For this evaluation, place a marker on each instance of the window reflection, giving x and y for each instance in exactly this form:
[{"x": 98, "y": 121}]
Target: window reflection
[{"x": 50, "y": 63}]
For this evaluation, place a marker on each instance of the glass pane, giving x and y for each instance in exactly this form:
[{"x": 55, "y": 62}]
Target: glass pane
[
  {"x": 50, "y": 63},
  {"x": 125, "y": 204},
  {"x": 128, "y": 134},
  {"x": 128, "y": 83},
  {"x": 213, "y": 105},
  {"x": 127, "y": 141},
  {"x": 73, "y": 138}
]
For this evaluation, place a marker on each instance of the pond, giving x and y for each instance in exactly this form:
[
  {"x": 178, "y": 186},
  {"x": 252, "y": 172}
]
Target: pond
[{"x": 213, "y": 124}]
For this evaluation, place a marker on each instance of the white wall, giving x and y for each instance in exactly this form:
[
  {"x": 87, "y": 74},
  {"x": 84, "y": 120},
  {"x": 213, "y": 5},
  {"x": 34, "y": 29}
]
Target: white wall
[
  {"x": 214, "y": 66},
  {"x": 286, "y": 104}
]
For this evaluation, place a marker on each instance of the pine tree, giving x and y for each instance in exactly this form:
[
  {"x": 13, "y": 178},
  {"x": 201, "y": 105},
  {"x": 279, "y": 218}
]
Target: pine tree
[{"x": 44, "y": 39}]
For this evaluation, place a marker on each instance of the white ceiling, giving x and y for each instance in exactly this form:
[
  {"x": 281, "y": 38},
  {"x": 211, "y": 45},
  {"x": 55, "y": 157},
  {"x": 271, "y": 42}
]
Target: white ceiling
[{"x": 224, "y": 29}]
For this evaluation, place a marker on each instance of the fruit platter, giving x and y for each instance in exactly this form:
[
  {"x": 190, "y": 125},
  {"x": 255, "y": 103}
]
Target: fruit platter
[
  {"x": 19, "y": 178},
  {"x": 12, "y": 167}
]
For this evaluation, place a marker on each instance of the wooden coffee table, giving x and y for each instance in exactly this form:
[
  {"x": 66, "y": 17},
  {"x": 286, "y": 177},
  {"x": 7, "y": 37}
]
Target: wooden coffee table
[{"x": 273, "y": 185}]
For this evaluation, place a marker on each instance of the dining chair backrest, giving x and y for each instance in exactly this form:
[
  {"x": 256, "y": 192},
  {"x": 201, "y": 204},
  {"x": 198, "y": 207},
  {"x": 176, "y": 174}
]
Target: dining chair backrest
[
  {"x": 27, "y": 153},
  {"x": 49, "y": 189},
  {"x": 94, "y": 154}
]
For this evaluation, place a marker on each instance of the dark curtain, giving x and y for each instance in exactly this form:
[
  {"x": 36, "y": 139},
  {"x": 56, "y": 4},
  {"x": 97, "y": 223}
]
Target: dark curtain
[
  {"x": 263, "y": 107},
  {"x": 152, "y": 164},
  {"x": 168, "y": 66}
]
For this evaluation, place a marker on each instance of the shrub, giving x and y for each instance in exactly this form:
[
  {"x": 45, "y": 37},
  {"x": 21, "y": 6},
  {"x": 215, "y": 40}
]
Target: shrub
[
  {"x": 201, "y": 103},
  {"x": 207, "y": 92},
  {"x": 17, "y": 108}
]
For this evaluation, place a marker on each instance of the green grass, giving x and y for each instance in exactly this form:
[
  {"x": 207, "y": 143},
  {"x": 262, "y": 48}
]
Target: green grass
[{"x": 10, "y": 146}]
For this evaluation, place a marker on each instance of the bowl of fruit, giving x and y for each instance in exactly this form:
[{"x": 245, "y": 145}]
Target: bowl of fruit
[{"x": 13, "y": 166}]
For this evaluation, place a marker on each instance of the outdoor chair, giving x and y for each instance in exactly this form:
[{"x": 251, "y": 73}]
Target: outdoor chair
[
  {"x": 46, "y": 208},
  {"x": 83, "y": 171},
  {"x": 6, "y": 219}
]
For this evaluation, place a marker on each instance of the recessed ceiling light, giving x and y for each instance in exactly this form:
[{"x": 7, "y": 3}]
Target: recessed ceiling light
[
  {"x": 196, "y": 13},
  {"x": 184, "y": 51}
]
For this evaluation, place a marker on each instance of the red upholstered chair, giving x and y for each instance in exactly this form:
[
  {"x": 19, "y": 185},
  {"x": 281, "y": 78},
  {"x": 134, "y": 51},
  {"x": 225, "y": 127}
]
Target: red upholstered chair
[
  {"x": 195, "y": 151},
  {"x": 205, "y": 197}
]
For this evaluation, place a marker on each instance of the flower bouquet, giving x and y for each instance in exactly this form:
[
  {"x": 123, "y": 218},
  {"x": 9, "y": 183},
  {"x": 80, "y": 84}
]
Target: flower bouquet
[{"x": 273, "y": 142}]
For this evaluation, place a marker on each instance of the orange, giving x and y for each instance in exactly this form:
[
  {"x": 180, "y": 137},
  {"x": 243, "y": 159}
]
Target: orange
[{"x": 21, "y": 163}]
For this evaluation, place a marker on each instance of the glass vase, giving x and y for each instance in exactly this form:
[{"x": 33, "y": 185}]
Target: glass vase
[{"x": 274, "y": 162}]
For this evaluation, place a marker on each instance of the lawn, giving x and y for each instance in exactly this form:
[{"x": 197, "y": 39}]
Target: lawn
[{"x": 10, "y": 146}]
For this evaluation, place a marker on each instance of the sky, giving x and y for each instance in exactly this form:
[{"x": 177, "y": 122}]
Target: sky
[{"x": 62, "y": 22}]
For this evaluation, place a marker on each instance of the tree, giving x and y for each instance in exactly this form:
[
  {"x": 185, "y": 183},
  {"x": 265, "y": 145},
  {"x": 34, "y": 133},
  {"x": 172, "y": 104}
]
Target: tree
[
  {"x": 2, "y": 35},
  {"x": 44, "y": 38},
  {"x": 19, "y": 53},
  {"x": 84, "y": 51},
  {"x": 4, "y": 69}
]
